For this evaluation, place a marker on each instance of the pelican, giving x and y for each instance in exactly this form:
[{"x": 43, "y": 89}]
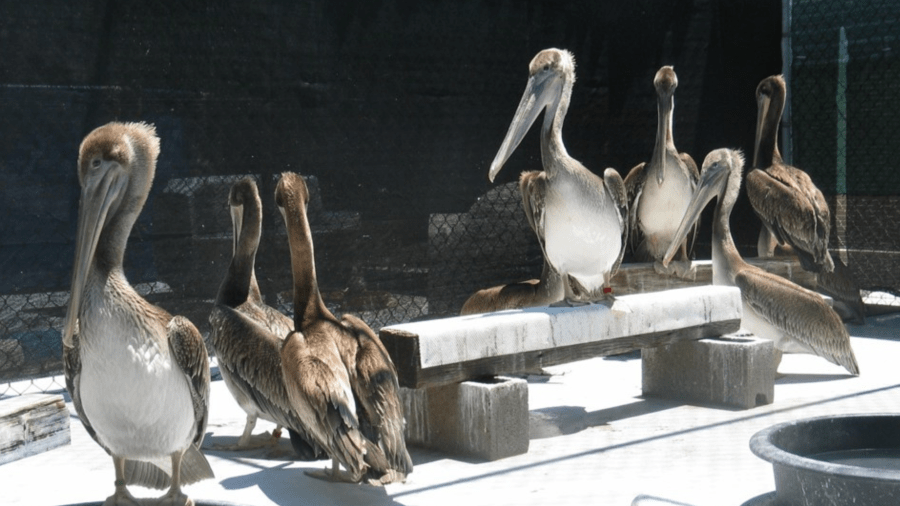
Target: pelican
[
  {"x": 658, "y": 192},
  {"x": 247, "y": 334},
  {"x": 841, "y": 286},
  {"x": 581, "y": 220},
  {"x": 339, "y": 377},
  {"x": 792, "y": 209},
  {"x": 534, "y": 292},
  {"x": 138, "y": 377},
  {"x": 796, "y": 319}
]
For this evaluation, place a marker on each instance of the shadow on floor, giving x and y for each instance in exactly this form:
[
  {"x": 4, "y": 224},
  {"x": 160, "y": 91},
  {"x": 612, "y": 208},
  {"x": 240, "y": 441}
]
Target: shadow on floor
[{"x": 565, "y": 420}]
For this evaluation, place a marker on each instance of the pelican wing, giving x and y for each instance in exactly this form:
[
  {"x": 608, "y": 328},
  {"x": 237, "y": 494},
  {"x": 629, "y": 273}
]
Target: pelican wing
[
  {"x": 634, "y": 188},
  {"x": 691, "y": 165},
  {"x": 795, "y": 211},
  {"x": 375, "y": 385},
  {"x": 251, "y": 356},
  {"x": 615, "y": 187},
  {"x": 277, "y": 322},
  {"x": 320, "y": 394},
  {"x": 268, "y": 317},
  {"x": 72, "y": 370},
  {"x": 800, "y": 314},
  {"x": 510, "y": 296},
  {"x": 189, "y": 352},
  {"x": 533, "y": 187}
]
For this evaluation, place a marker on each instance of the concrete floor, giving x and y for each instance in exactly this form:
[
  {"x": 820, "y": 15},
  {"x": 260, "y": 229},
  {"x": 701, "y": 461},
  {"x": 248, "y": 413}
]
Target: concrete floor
[{"x": 594, "y": 440}]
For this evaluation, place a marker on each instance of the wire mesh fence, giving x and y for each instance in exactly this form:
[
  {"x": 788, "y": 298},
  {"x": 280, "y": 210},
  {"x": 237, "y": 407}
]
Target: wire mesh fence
[
  {"x": 393, "y": 112},
  {"x": 844, "y": 104}
]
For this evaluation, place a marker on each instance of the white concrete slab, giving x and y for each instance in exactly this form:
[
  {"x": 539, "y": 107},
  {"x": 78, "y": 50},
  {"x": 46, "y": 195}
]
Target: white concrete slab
[{"x": 465, "y": 338}]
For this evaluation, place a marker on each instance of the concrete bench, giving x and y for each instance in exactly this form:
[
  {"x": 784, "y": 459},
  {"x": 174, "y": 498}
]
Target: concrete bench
[{"x": 451, "y": 370}]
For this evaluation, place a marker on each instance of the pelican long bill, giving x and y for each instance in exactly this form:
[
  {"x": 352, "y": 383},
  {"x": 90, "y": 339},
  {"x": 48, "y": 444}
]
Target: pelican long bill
[
  {"x": 104, "y": 188},
  {"x": 707, "y": 189},
  {"x": 539, "y": 92}
]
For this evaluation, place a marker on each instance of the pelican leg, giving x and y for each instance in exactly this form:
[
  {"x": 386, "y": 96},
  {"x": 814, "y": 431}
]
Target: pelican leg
[
  {"x": 765, "y": 245},
  {"x": 175, "y": 497},
  {"x": 244, "y": 441},
  {"x": 768, "y": 246},
  {"x": 122, "y": 497},
  {"x": 248, "y": 441},
  {"x": 683, "y": 267},
  {"x": 334, "y": 474}
]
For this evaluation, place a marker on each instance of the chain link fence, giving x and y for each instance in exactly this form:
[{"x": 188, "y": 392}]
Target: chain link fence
[
  {"x": 393, "y": 111},
  {"x": 844, "y": 75}
]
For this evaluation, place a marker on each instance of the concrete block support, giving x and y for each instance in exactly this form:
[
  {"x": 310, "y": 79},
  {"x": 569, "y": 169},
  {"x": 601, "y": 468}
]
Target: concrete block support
[
  {"x": 733, "y": 370},
  {"x": 486, "y": 419}
]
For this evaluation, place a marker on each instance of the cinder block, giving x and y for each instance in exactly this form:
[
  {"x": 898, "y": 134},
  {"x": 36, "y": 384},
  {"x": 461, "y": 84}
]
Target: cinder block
[
  {"x": 486, "y": 419},
  {"x": 733, "y": 370}
]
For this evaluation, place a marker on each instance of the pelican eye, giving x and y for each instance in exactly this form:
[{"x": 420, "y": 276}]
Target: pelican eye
[{"x": 95, "y": 163}]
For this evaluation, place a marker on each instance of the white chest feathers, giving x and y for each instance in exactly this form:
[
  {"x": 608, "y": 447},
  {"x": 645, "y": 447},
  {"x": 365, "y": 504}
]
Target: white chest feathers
[
  {"x": 134, "y": 395},
  {"x": 661, "y": 207},
  {"x": 582, "y": 231}
]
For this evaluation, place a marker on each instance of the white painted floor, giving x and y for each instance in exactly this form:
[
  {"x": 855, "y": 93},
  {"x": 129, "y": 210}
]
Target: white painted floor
[{"x": 595, "y": 440}]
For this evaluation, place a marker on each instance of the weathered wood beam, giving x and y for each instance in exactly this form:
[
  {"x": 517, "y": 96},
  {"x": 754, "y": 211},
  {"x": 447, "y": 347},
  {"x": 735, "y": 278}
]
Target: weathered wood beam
[
  {"x": 449, "y": 350},
  {"x": 31, "y": 424},
  {"x": 642, "y": 278}
]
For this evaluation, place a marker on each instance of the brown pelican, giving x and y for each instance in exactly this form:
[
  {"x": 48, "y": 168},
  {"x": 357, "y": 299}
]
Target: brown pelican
[
  {"x": 581, "y": 219},
  {"x": 658, "y": 192},
  {"x": 534, "y": 292},
  {"x": 792, "y": 209},
  {"x": 138, "y": 377},
  {"x": 841, "y": 285},
  {"x": 339, "y": 376},
  {"x": 796, "y": 319},
  {"x": 247, "y": 334}
]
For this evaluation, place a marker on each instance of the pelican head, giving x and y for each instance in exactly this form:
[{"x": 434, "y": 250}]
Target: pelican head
[
  {"x": 550, "y": 73},
  {"x": 720, "y": 177},
  {"x": 665, "y": 81},
  {"x": 244, "y": 192},
  {"x": 291, "y": 188},
  {"x": 116, "y": 164},
  {"x": 770, "y": 95}
]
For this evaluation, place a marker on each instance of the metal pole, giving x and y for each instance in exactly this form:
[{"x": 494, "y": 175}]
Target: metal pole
[
  {"x": 841, "y": 152},
  {"x": 787, "y": 152}
]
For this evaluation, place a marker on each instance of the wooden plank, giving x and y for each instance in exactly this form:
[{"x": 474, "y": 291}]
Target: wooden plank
[
  {"x": 403, "y": 347},
  {"x": 31, "y": 424},
  {"x": 455, "y": 349},
  {"x": 642, "y": 278},
  {"x": 533, "y": 360}
]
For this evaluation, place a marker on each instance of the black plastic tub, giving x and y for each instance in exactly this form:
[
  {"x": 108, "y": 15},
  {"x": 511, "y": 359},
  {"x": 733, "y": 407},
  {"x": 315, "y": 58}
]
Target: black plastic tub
[{"x": 801, "y": 452}]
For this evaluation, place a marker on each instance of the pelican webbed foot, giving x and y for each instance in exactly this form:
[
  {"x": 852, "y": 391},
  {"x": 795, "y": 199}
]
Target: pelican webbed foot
[
  {"x": 174, "y": 498},
  {"x": 334, "y": 475},
  {"x": 684, "y": 269},
  {"x": 253, "y": 442},
  {"x": 387, "y": 478},
  {"x": 122, "y": 497}
]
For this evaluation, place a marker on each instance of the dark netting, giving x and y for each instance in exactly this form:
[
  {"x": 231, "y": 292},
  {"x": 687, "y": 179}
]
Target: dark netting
[
  {"x": 393, "y": 109},
  {"x": 844, "y": 99}
]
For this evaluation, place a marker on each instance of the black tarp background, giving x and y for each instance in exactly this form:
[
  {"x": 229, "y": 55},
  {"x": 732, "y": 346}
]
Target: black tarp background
[{"x": 395, "y": 107}]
